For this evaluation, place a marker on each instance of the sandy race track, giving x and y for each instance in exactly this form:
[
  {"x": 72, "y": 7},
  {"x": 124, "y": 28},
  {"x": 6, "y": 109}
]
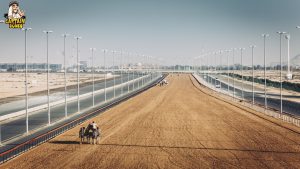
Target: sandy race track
[{"x": 175, "y": 126}]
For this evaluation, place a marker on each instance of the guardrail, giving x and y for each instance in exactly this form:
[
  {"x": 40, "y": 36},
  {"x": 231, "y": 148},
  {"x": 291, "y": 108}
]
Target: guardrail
[
  {"x": 27, "y": 145},
  {"x": 62, "y": 101},
  {"x": 287, "y": 117}
]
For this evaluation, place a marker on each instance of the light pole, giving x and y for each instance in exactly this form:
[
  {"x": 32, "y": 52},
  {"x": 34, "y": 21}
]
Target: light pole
[
  {"x": 2, "y": 21},
  {"x": 228, "y": 51},
  {"x": 252, "y": 50},
  {"x": 78, "y": 71},
  {"x": 265, "y": 70},
  {"x": 144, "y": 64},
  {"x": 133, "y": 86},
  {"x": 48, "y": 89},
  {"x": 242, "y": 68},
  {"x": 211, "y": 68},
  {"x": 113, "y": 57},
  {"x": 128, "y": 72},
  {"x": 121, "y": 60},
  {"x": 151, "y": 59},
  {"x": 93, "y": 74},
  {"x": 105, "y": 74},
  {"x": 220, "y": 68},
  {"x": 233, "y": 71},
  {"x": 280, "y": 36},
  {"x": 215, "y": 68},
  {"x": 65, "y": 75},
  {"x": 26, "y": 81},
  {"x": 289, "y": 75},
  {"x": 138, "y": 56}
]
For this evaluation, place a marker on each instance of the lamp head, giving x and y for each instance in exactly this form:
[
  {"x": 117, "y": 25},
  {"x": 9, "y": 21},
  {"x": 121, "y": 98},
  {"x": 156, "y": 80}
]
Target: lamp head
[
  {"x": 279, "y": 32},
  {"x": 26, "y": 29},
  {"x": 288, "y": 36},
  {"x": 77, "y": 37},
  {"x": 48, "y": 32},
  {"x": 265, "y": 35},
  {"x": 65, "y": 35}
]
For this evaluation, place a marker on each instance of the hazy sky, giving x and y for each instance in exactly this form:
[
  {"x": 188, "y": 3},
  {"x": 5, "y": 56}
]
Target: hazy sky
[{"x": 174, "y": 30}]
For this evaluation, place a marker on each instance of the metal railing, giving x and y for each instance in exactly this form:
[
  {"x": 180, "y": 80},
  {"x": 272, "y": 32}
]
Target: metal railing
[{"x": 286, "y": 117}]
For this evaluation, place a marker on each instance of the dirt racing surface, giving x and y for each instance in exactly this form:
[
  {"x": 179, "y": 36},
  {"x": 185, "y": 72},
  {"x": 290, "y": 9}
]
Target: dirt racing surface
[{"x": 175, "y": 126}]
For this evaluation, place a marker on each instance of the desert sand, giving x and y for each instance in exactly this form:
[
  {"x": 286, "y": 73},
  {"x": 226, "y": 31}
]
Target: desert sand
[
  {"x": 175, "y": 126},
  {"x": 273, "y": 75},
  {"x": 13, "y": 84}
]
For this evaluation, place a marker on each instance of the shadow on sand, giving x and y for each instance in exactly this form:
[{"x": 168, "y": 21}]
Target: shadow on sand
[{"x": 64, "y": 142}]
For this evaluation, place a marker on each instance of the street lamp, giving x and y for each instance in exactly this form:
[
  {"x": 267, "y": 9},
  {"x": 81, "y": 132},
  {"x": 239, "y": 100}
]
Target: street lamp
[
  {"x": 26, "y": 81},
  {"x": 133, "y": 86},
  {"x": 242, "y": 68},
  {"x": 144, "y": 64},
  {"x": 121, "y": 60},
  {"x": 289, "y": 75},
  {"x": 113, "y": 71},
  {"x": 48, "y": 89},
  {"x": 128, "y": 64},
  {"x": 2, "y": 21},
  {"x": 65, "y": 75},
  {"x": 228, "y": 51},
  {"x": 215, "y": 54},
  {"x": 220, "y": 68},
  {"x": 252, "y": 49},
  {"x": 233, "y": 71},
  {"x": 105, "y": 74},
  {"x": 78, "y": 70},
  {"x": 265, "y": 69},
  {"x": 138, "y": 56},
  {"x": 93, "y": 74},
  {"x": 280, "y": 35}
]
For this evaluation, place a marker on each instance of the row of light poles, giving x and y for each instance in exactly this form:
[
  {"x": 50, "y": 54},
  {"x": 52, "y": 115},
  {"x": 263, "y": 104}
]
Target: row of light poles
[
  {"x": 289, "y": 74},
  {"x": 77, "y": 38},
  {"x": 47, "y": 32}
]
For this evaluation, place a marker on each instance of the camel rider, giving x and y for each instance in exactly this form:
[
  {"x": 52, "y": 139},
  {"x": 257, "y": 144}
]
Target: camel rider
[{"x": 94, "y": 126}]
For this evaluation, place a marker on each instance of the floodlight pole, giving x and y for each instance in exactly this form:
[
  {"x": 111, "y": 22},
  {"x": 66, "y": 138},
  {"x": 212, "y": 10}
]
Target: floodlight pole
[
  {"x": 280, "y": 36},
  {"x": 215, "y": 68},
  {"x": 242, "y": 68},
  {"x": 228, "y": 71},
  {"x": 105, "y": 74},
  {"x": 233, "y": 71},
  {"x": 265, "y": 70},
  {"x": 128, "y": 74},
  {"x": 252, "y": 49},
  {"x": 65, "y": 75},
  {"x": 93, "y": 74},
  {"x": 133, "y": 86},
  {"x": 138, "y": 56},
  {"x": 78, "y": 71},
  {"x": 121, "y": 60},
  {"x": 26, "y": 81},
  {"x": 113, "y": 57},
  {"x": 48, "y": 89},
  {"x": 289, "y": 75},
  {"x": 1, "y": 21}
]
